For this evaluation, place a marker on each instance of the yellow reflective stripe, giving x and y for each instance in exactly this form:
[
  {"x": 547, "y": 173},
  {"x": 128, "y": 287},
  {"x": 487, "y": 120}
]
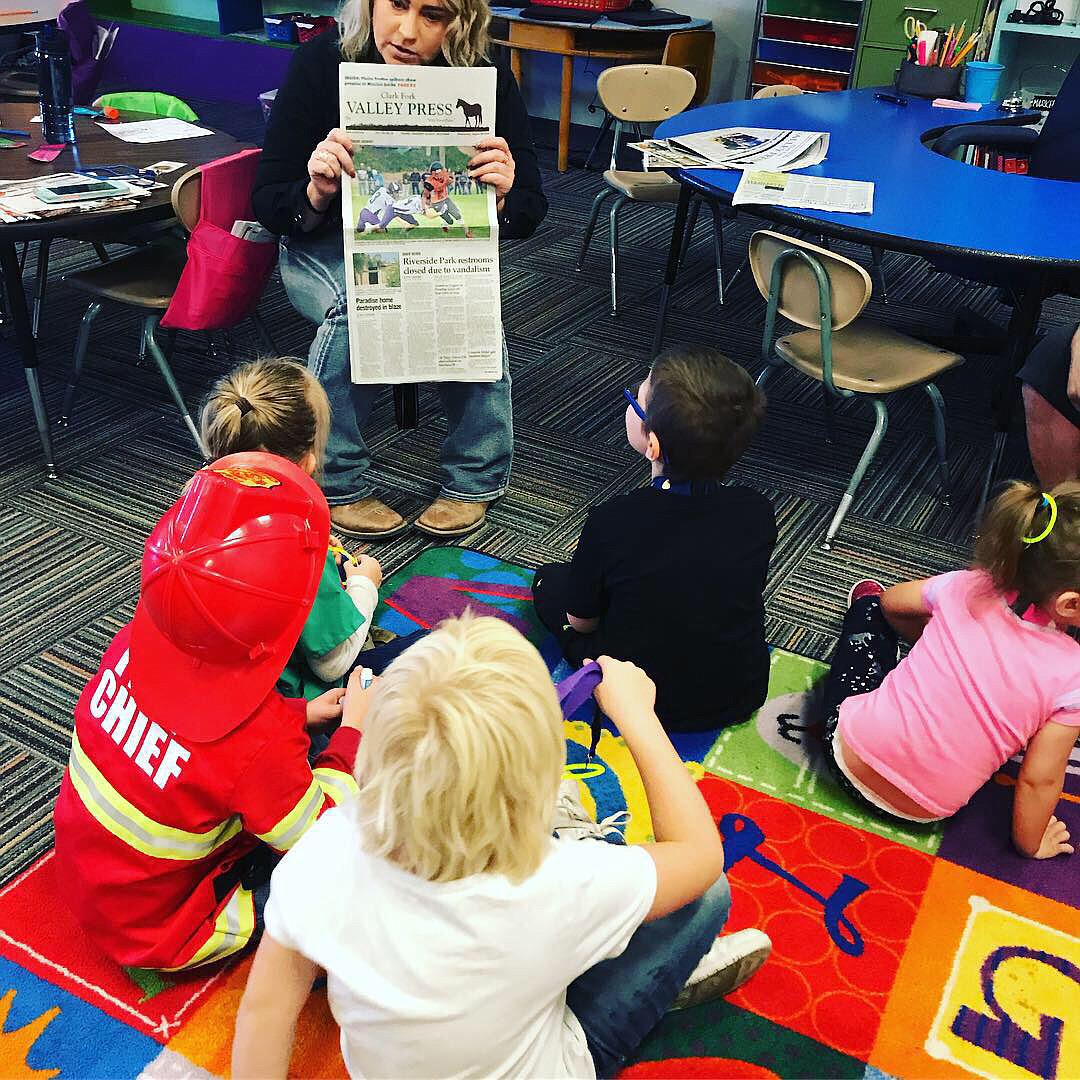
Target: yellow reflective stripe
[
  {"x": 129, "y": 824},
  {"x": 233, "y": 928},
  {"x": 297, "y": 821},
  {"x": 340, "y": 786}
]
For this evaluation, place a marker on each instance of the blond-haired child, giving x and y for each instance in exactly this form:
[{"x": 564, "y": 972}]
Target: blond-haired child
[
  {"x": 995, "y": 669},
  {"x": 278, "y": 406},
  {"x": 458, "y": 936}
]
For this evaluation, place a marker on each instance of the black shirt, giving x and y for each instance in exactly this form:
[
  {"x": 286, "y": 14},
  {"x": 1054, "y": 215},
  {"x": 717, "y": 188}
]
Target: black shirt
[
  {"x": 676, "y": 582},
  {"x": 308, "y": 105}
]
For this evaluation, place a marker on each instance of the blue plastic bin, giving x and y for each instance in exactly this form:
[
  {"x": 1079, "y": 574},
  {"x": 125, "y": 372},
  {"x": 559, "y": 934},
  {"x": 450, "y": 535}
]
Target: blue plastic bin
[
  {"x": 282, "y": 27},
  {"x": 981, "y": 81}
]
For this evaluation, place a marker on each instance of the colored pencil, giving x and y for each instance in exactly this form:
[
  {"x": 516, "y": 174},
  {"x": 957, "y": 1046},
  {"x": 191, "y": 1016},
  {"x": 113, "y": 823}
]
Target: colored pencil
[
  {"x": 965, "y": 50},
  {"x": 948, "y": 43}
]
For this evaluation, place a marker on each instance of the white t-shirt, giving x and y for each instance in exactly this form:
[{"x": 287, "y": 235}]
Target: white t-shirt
[{"x": 456, "y": 979}]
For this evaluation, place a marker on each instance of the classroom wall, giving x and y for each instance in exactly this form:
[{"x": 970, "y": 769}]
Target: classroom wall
[{"x": 733, "y": 21}]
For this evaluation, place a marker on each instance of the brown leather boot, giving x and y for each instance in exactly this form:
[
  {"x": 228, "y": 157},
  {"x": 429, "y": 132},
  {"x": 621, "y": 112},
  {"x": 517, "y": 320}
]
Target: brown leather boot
[
  {"x": 451, "y": 517},
  {"x": 370, "y": 519}
]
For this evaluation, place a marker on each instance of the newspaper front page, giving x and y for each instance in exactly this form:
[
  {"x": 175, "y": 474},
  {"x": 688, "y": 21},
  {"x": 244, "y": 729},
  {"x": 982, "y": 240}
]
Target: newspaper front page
[{"x": 421, "y": 237}]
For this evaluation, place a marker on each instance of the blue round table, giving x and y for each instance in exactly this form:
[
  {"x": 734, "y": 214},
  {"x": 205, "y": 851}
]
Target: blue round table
[{"x": 924, "y": 203}]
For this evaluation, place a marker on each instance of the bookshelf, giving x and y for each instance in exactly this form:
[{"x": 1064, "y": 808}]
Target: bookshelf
[{"x": 1035, "y": 57}]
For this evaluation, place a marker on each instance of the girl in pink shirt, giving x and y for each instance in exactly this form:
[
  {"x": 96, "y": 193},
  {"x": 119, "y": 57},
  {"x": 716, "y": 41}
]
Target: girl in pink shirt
[{"x": 994, "y": 669}]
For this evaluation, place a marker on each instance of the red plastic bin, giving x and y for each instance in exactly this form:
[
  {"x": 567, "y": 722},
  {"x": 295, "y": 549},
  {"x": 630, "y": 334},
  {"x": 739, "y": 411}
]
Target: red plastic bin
[
  {"x": 812, "y": 33},
  {"x": 765, "y": 74},
  {"x": 587, "y": 5},
  {"x": 313, "y": 26}
]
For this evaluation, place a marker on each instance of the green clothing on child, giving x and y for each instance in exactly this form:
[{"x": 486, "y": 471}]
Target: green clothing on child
[{"x": 333, "y": 618}]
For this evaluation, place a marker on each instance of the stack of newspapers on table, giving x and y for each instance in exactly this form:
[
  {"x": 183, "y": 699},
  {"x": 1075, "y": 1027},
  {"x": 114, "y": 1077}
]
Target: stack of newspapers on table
[
  {"x": 737, "y": 148},
  {"x": 766, "y": 157},
  {"x": 19, "y": 199}
]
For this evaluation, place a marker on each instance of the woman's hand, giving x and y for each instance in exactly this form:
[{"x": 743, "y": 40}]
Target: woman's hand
[
  {"x": 331, "y": 158},
  {"x": 493, "y": 164}
]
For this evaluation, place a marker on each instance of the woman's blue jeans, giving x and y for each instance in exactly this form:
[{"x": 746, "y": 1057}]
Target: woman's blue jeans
[
  {"x": 619, "y": 1001},
  {"x": 479, "y": 443}
]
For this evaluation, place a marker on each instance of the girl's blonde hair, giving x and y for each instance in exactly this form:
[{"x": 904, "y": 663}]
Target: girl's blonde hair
[
  {"x": 462, "y": 755},
  {"x": 275, "y": 405},
  {"x": 1035, "y": 570},
  {"x": 465, "y": 45}
]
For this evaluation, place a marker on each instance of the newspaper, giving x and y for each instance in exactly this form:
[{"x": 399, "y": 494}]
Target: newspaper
[
  {"x": 805, "y": 192},
  {"x": 737, "y": 148},
  {"x": 19, "y": 201},
  {"x": 421, "y": 237}
]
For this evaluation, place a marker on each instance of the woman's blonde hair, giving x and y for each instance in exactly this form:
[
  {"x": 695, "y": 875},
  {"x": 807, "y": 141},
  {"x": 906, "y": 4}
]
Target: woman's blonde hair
[
  {"x": 275, "y": 405},
  {"x": 465, "y": 45},
  {"x": 462, "y": 754},
  {"x": 1034, "y": 570}
]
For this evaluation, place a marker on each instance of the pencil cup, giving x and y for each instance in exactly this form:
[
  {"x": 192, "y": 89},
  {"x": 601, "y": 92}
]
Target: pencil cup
[
  {"x": 927, "y": 82},
  {"x": 981, "y": 80}
]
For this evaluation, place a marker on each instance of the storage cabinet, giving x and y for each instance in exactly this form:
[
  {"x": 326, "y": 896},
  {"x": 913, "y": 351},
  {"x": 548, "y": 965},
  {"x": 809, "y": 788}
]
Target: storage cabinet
[
  {"x": 877, "y": 65},
  {"x": 883, "y": 44},
  {"x": 807, "y": 43}
]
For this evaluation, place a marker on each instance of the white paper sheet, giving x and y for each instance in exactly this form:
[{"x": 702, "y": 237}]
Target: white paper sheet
[
  {"x": 166, "y": 129},
  {"x": 805, "y": 192}
]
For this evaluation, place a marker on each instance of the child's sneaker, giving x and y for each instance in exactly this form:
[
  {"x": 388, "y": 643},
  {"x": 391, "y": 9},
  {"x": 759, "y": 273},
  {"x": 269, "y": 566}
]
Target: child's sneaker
[
  {"x": 866, "y": 587},
  {"x": 573, "y": 821},
  {"x": 731, "y": 961}
]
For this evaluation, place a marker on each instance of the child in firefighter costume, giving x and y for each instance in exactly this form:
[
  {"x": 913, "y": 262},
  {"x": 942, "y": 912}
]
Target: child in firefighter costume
[{"x": 189, "y": 774}]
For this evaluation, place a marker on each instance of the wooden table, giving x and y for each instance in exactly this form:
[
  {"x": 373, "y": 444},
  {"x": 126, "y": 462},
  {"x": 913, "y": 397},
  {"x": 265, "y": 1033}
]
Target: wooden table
[
  {"x": 601, "y": 40},
  {"x": 95, "y": 148}
]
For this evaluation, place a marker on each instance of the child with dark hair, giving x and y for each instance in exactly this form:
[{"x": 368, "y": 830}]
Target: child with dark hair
[
  {"x": 994, "y": 669},
  {"x": 671, "y": 576}
]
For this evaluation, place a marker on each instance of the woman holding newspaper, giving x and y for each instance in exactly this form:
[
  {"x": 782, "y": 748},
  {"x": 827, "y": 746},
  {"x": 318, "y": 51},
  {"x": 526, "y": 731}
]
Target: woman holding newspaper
[{"x": 297, "y": 195}]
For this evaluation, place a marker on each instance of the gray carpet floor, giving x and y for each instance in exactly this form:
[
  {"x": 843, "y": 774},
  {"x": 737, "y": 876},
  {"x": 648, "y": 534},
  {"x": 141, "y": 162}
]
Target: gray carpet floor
[{"x": 70, "y": 548}]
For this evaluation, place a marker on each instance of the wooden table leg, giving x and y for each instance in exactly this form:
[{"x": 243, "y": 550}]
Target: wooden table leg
[
  {"x": 564, "y": 111},
  {"x": 27, "y": 347},
  {"x": 515, "y": 64}
]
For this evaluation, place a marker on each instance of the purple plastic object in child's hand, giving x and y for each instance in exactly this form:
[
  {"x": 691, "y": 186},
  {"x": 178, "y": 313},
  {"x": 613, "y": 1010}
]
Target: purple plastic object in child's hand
[{"x": 575, "y": 690}]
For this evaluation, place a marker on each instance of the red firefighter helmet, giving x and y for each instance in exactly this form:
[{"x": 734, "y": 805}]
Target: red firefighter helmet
[{"x": 229, "y": 575}]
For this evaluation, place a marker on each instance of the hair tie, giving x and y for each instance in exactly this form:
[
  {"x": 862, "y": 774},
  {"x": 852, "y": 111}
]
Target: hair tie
[
  {"x": 243, "y": 405},
  {"x": 1050, "y": 501}
]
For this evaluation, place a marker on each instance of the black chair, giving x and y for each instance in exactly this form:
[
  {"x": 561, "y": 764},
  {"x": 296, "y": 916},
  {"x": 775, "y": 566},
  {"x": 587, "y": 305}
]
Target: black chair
[{"x": 1054, "y": 154}]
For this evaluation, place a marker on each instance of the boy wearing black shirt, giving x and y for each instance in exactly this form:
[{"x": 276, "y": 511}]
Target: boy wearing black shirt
[{"x": 671, "y": 576}]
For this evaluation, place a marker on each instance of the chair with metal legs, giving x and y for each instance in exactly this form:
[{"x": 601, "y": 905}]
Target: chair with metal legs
[
  {"x": 825, "y": 292},
  {"x": 643, "y": 93},
  {"x": 147, "y": 281}
]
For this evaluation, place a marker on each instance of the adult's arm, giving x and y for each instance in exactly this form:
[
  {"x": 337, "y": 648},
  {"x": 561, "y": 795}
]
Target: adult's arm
[
  {"x": 525, "y": 205},
  {"x": 299, "y": 120}
]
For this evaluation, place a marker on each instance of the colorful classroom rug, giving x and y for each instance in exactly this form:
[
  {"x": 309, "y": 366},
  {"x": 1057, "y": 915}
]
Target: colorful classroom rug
[{"x": 897, "y": 952}]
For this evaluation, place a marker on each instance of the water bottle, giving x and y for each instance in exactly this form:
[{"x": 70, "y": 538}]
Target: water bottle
[{"x": 54, "y": 86}]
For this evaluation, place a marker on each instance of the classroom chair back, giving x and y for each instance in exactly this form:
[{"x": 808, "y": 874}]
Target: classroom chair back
[
  {"x": 777, "y": 90},
  {"x": 799, "y": 300},
  {"x": 1056, "y": 153},
  {"x": 645, "y": 93},
  {"x": 693, "y": 51}
]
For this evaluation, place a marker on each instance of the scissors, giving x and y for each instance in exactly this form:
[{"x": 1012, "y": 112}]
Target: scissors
[{"x": 913, "y": 28}]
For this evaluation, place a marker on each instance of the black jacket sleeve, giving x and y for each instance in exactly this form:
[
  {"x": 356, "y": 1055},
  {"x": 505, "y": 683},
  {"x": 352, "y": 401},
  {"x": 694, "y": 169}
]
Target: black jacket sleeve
[
  {"x": 302, "y": 115},
  {"x": 525, "y": 205}
]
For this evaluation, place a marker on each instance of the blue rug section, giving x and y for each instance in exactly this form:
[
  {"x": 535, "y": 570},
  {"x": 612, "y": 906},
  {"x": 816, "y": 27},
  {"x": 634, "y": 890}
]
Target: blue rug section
[{"x": 77, "y": 1040}]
